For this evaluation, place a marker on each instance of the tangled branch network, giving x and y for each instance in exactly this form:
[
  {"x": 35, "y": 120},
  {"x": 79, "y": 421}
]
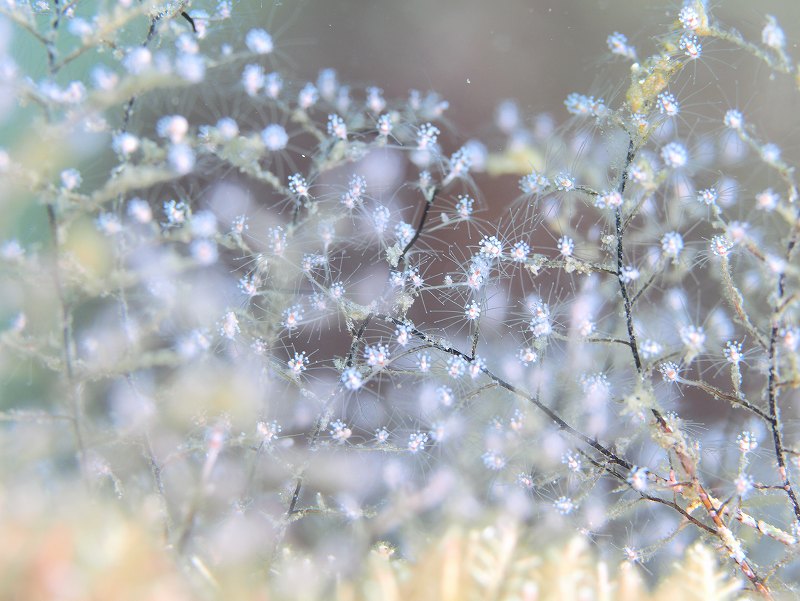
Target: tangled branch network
[{"x": 283, "y": 316}]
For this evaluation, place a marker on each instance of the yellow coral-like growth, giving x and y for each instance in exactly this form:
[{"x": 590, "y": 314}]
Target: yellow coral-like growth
[
  {"x": 496, "y": 563},
  {"x": 96, "y": 552}
]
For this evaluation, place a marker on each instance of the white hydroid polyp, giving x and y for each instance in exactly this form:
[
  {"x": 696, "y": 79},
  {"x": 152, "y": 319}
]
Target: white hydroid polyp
[
  {"x": 259, "y": 41},
  {"x": 275, "y": 137}
]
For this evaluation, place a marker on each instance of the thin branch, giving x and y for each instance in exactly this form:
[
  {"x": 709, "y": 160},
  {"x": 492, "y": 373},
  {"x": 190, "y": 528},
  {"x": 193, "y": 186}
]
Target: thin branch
[
  {"x": 66, "y": 340},
  {"x": 782, "y": 65},
  {"x": 737, "y": 303},
  {"x": 774, "y": 412},
  {"x": 728, "y": 539},
  {"x": 726, "y": 396},
  {"x": 573, "y": 263},
  {"x": 431, "y": 197},
  {"x": 682, "y": 511},
  {"x": 647, "y": 284},
  {"x": 620, "y": 259},
  {"x": 724, "y": 534},
  {"x": 598, "y": 339},
  {"x": 629, "y": 157},
  {"x": 560, "y": 422},
  {"x": 773, "y": 377},
  {"x": 671, "y": 504}
]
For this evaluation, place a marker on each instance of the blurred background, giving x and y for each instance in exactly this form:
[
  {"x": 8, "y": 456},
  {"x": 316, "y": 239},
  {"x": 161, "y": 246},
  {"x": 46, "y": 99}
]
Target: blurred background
[{"x": 474, "y": 53}]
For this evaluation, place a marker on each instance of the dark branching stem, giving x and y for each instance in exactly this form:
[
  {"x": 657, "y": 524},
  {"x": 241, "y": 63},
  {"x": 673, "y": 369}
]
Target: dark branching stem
[
  {"x": 476, "y": 335},
  {"x": 773, "y": 376},
  {"x": 621, "y": 258},
  {"x": 295, "y": 496},
  {"x": 772, "y": 397},
  {"x": 430, "y": 197},
  {"x": 671, "y": 504},
  {"x": 611, "y": 458},
  {"x": 188, "y": 17},
  {"x": 51, "y": 44},
  {"x": 682, "y": 511},
  {"x": 606, "y": 452},
  {"x": 687, "y": 463},
  {"x": 626, "y": 299},
  {"x": 358, "y": 335}
]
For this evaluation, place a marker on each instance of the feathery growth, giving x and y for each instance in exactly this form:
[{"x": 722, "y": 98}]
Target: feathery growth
[{"x": 300, "y": 325}]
